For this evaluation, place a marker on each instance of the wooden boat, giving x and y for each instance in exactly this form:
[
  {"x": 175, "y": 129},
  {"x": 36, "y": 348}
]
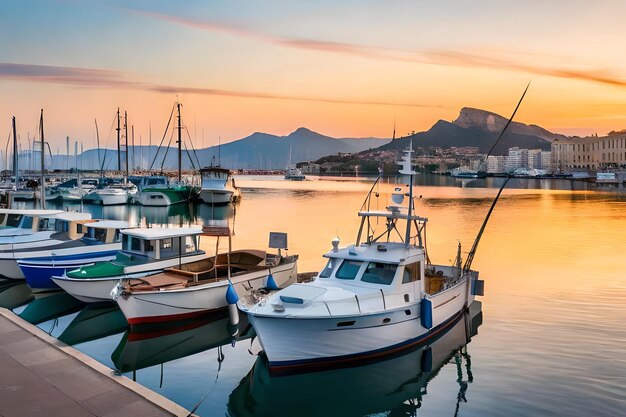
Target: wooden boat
[
  {"x": 145, "y": 251},
  {"x": 199, "y": 288}
]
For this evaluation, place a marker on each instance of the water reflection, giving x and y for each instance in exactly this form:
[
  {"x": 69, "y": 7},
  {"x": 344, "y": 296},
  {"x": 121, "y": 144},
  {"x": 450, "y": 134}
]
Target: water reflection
[
  {"x": 50, "y": 306},
  {"x": 14, "y": 294},
  {"x": 153, "y": 345},
  {"x": 393, "y": 387},
  {"x": 94, "y": 322}
]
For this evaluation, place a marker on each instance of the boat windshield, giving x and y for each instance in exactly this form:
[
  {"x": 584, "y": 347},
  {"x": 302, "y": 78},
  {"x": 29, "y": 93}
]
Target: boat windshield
[
  {"x": 379, "y": 273},
  {"x": 348, "y": 269},
  {"x": 329, "y": 268}
]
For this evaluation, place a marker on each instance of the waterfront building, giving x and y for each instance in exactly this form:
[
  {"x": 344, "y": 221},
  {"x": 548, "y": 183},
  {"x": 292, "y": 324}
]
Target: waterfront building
[{"x": 590, "y": 153}]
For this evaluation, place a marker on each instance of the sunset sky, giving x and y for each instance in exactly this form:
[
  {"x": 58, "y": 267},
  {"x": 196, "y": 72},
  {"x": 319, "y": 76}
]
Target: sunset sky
[{"x": 342, "y": 68}]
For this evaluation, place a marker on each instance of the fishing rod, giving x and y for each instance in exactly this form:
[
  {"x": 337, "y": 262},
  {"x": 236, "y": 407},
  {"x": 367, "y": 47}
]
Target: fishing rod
[{"x": 472, "y": 252}]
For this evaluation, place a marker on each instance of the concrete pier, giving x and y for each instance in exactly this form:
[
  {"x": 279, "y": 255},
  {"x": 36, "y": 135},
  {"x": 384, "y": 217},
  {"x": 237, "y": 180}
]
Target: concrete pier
[{"x": 41, "y": 376}]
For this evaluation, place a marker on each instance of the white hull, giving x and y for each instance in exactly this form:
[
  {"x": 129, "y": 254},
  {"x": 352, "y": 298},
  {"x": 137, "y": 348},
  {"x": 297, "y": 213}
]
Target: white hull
[
  {"x": 155, "y": 306},
  {"x": 291, "y": 341},
  {"x": 154, "y": 199},
  {"x": 97, "y": 290},
  {"x": 216, "y": 196}
]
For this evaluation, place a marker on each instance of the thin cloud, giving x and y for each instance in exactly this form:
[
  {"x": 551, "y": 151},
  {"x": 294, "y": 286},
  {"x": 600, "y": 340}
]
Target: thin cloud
[
  {"x": 95, "y": 77},
  {"x": 435, "y": 57}
]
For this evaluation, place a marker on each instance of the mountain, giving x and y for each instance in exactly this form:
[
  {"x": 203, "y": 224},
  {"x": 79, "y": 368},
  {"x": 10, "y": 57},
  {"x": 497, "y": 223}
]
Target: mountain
[
  {"x": 257, "y": 151},
  {"x": 478, "y": 128}
]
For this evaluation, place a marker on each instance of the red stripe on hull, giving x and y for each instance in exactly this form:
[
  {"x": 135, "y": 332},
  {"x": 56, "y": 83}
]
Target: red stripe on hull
[{"x": 170, "y": 317}]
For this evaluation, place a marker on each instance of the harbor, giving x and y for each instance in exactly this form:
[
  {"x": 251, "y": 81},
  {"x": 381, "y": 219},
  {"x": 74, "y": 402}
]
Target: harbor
[{"x": 208, "y": 363}]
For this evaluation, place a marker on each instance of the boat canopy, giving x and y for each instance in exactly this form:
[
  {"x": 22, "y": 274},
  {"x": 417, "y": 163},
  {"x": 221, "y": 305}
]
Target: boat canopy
[
  {"x": 154, "y": 233},
  {"x": 109, "y": 224},
  {"x": 393, "y": 213},
  {"x": 72, "y": 216},
  {"x": 28, "y": 212}
]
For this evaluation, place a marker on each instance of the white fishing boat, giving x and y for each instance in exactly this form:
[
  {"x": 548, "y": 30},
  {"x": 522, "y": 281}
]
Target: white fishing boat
[
  {"x": 16, "y": 222},
  {"x": 145, "y": 251},
  {"x": 199, "y": 288},
  {"x": 218, "y": 187},
  {"x": 294, "y": 174},
  {"x": 112, "y": 194},
  {"x": 373, "y": 298},
  {"x": 60, "y": 234}
]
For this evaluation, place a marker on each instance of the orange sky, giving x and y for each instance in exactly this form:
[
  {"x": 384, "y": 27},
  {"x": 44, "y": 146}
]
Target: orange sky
[{"x": 243, "y": 67}]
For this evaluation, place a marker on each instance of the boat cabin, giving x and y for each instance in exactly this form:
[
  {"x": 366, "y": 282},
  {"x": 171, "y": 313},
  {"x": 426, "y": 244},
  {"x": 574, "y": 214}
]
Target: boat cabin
[
  {"x": 151, "y": 181},
  {"x": 72, "y": 225},
  {"x": 23, "y": 221},
  {"x": 161, "y": 243},
  {"x": 214, "y": 176},
  {"x": 106, "y": 231}
]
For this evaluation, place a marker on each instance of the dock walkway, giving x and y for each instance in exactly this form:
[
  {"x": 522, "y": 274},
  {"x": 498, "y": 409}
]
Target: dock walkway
[{"x": 41, "y": 376}]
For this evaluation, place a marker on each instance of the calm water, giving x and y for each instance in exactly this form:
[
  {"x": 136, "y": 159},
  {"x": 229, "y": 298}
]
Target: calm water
[{"x": 552, "y": 341}]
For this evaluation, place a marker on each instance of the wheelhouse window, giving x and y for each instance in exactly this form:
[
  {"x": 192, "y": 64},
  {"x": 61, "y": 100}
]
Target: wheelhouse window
[
  {"x": 412, "y": 272},
  {"x": 131, "y": 243},
  {"x": 379, "y": 273},
  {"x": 14, "y": 220},
  {"x": 27, "y": 223},
  {"x": 348, "y": 269},
  {"x": 330, "y": 267}
]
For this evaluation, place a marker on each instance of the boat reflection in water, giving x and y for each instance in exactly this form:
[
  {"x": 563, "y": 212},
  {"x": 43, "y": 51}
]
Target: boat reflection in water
[
  {"x": 50, "y": 306},
  {"x": 392, "y": 387},
  {"x": 14, "y": 294},
  {"x": 150, "y": 345},
  {"x": 94, "y": 322}
]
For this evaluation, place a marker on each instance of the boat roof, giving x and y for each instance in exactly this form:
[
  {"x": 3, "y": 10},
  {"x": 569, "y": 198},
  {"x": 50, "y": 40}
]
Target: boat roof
[
  {"x": 72, "y": 216},
  {"x": 109, "y": 224},
  {"x": 215, "y": 169},
  {"x": 393, "y": 213},
  {"x": 151, "y": 233},
  {"x": 30, "y": 212},
  {"x": 387, "y": 252}
]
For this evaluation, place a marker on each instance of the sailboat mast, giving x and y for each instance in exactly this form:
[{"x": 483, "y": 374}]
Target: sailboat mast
[
  {"x": 16, "y": 171},
  {"x": 42, "y": 188},
  {"x": 180, "y": 153},
  {"x": 126, "y": 140},
  {"x": 119, "y": 155}
]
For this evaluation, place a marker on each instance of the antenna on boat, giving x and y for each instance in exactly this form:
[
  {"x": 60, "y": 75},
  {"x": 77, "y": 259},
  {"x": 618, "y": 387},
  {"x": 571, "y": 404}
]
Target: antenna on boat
[
  {"x": 407, "y": 170},
  {"x": 472, "y": 252}
]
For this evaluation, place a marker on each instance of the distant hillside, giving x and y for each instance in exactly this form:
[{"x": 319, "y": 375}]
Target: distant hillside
[
  {"x": 478, "y": 128},
  {"x": 257, "y": 151}
]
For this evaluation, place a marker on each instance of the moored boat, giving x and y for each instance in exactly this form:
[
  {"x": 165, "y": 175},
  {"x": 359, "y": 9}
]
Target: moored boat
[
  {"x": 145, "y": 251},
  {"x": 373, "y": 298},
  {"x": 101, "y": 242},
  {"x": 199, "y": 288},
  {"x": 60, "y": 235},
  {"x": 218, "y": 187}
]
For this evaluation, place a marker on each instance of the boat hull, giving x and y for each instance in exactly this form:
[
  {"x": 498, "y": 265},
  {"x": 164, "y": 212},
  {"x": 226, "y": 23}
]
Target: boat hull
[
  {"x": 223, "y": 196},
  {"x": 98, "y": 290},
  {"x": 159, "y": 306},
  {"x": 299, "y": 342},
  {"x": 162, "y": 198},
  {"x": 38, "y": 272}
]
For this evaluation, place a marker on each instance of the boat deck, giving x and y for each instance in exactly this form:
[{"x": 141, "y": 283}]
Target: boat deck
[{"x": 42, "y": 376}]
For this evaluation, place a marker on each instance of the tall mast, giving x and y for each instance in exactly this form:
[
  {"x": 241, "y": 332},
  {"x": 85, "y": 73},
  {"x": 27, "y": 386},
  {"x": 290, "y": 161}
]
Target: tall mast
[
  {"x": 132, "y": 128},
  {"x": 126, "y": 139},
  {"x": 16, "y": 171},
  {"x": 42, "y": 188},
  {"x": 119, "y": 156},
  {"x": 180, "y": 153}
]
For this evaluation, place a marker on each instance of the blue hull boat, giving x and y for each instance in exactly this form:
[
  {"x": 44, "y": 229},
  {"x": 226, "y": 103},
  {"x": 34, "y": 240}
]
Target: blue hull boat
[{"x": 38, "y": 271}]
